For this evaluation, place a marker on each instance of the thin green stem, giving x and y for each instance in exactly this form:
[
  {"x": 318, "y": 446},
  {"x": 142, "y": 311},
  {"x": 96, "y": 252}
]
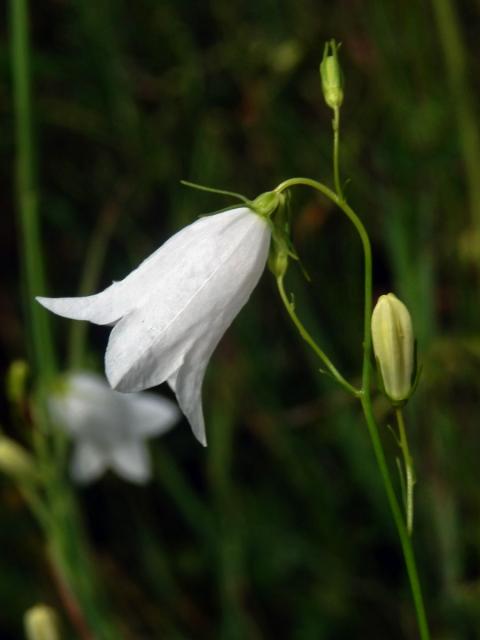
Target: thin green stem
[
  {"x": 336, "y": 152},
  {"x": 405, "y": 539},
  {"x": 367, "y": 252},
  {"x": 409, "y": 471},
  {"x": 58, "y": 505},
  {"x": 40, "y": 337},
  {"x": 36, "y": 504},
  {"x": 366, "y": 401},
  {"x": 93, "y": 264},
  {"x": 311, "y": 342},
  {"x": 453, "y": 43},
  {"x": 37, "y": 320}
]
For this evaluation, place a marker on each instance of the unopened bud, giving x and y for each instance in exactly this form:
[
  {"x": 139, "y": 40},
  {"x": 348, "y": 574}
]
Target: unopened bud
[
  {"x": 15, "y": 461},
  {"x": 41, "y": 623},
  {"x": 393, "y": 345},
  {"x": 17, "y": 381},
  {"x": 278, "y": 261},
  {"x": 331, "y": 76}
]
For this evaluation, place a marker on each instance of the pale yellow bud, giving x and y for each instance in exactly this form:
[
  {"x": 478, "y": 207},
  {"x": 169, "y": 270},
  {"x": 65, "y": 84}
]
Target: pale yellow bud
[
  {"x": 41, "y": 623},
  {"x": 393, "y": 345},
  {"x": 17, "y": 381},
  {"x": 331, "y": 76},
  {"x": 15, "y": 461},
  {"x": 278, "y": 261}
]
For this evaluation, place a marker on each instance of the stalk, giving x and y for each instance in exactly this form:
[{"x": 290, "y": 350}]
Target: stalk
[
  {"x": 366, "y": 400},
  {"x": 55, "y": 509}
]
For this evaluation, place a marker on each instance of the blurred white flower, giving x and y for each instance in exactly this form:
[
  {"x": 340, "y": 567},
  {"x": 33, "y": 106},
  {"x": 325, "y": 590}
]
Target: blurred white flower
[
  {"x": 170, "y": 312},
  {"x": 109, "y": 428}
]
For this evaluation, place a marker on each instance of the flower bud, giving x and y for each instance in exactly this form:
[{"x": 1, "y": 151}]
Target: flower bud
[
  {"x": 278, "y": 260},
  {"x": 393, "y": 345},
  {"x": 15, "y": 461},
  {"x": 41, "y": 623},
  {"x": 331, "y": 76},
  {"x": 17, "y": 381}
]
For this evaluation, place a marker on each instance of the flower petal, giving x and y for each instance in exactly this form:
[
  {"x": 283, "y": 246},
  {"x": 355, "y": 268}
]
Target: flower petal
[
  {"x": 187, "y": 381},
  {"x": 187, "y": 385},
  {"x": 131, "y": 362},
  {"x": 197, "y": 301},
  {"x": 150, "y": 414},
  {"x": 88, "y": 407},
  {"x": 131, "y": 460},
  {"x": 102, "y": 308},
  {"x": 108, "y": 306},
  {"x": 88, "y": 462}
]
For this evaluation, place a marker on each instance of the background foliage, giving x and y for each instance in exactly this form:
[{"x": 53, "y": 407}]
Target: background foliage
[{"x": 280, "y": 528}]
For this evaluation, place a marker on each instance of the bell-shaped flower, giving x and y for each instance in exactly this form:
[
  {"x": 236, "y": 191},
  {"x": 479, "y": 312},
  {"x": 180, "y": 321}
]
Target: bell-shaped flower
[
  {"x": 170, "y": 313},
  {"x": 109, "y": 428}
]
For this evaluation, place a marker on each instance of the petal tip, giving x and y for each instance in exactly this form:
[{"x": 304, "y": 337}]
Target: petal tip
[
  {"x": 202, "y": 439},
  {"x": 45, "y": 302},
  {"x": 120, "y": 382}
]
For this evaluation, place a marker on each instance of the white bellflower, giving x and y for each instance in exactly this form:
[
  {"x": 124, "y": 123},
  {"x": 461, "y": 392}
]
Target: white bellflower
[
  {"x": 109, "y": 428},
  {"x": 170, "y": 313}
]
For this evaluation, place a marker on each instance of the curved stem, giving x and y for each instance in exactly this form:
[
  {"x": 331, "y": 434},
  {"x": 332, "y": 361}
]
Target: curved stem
[
  {"x": 336, "y": 152},
  {"x": 409, "y": 472},
  {"x": 311, "y": 342},
  {"x": 367, "y": 252},
  {"x": 365, "y": 397}
]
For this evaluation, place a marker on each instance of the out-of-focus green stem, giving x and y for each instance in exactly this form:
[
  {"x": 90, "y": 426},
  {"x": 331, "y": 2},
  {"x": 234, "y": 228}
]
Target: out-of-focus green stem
[
  {"x": 57, "y": 512},
  {"x": 93, "y": 264},
  {"x": 40, "y": 337},
  {"x": 455, "y": 57}
]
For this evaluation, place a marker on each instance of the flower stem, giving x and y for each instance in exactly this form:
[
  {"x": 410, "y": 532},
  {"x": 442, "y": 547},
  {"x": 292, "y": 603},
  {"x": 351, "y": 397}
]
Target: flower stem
[
  {"x": 455, "y": 49},
  {"x": 409, "y": 471},
  {"x": 94, "y": 258},
  {"x": 40, "y": 338},
  {"x": 311, "y": 342},
  {"x": 336, "y": 152},
  {"x": 405, "y": 540},
  {"x": 367, "y": 252},
  {"x": 55, "y": 508},
  {"x": 366, "y": 400}
]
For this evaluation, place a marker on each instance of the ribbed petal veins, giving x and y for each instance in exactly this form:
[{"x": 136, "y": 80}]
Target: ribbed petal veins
[{"x": 171, "y": 312}]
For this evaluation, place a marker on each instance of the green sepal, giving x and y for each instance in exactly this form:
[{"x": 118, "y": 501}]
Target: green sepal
[
  {"x": 267, "y": 203},
  {"x": 221, "y": 192}
]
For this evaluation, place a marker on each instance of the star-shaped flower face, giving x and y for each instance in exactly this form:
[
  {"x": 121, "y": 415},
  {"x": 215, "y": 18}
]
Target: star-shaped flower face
[
  {"x": 170, "y": 312},
  {"x": 109, "y": 428}
]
